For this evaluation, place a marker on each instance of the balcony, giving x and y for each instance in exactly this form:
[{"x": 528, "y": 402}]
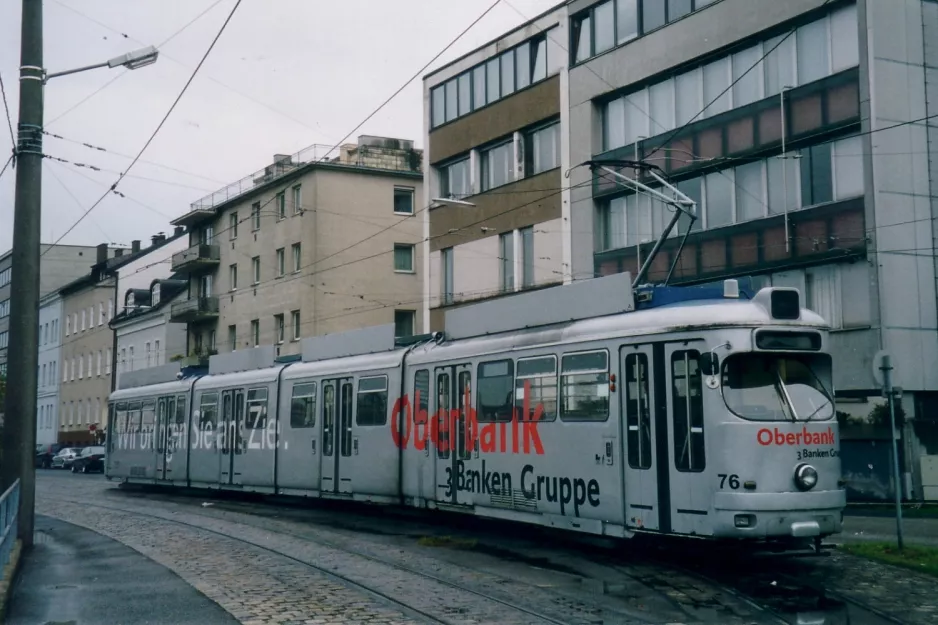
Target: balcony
[
  {"x": 194, "y": 310},
  {"x": 196, "y": 258}
]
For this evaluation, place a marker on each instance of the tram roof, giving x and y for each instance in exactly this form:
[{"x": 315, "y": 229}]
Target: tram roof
[{"x": 164, "y": 388}]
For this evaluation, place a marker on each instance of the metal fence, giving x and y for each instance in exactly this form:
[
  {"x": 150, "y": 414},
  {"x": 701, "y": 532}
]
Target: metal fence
[{"x": 9, "y": 512}]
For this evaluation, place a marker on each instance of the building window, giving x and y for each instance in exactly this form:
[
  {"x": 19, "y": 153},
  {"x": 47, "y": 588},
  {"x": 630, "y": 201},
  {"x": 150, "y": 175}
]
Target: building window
[
  {"x": 233, "y": 226},
  {"x": 281, "y": 206},
  {"x": 497, "y": 166},
  {"x": 98, "y": 367},
  {"x": 110, "y": 309},
  {"x": 297, "y": 257},
  {"x": 403, "y": 257},
  {"x": 404, "y": 322},
  {"x": 82, "y": 319},
  {"x": 5, "y": 276},
  {"x": 107, "y": 362},
  {"x": 819, "y": 49},
  {"x": 455, "y": 180},
  {"x": 403, "y": 201},
  {"x": 148, "y": 353},
  {"x": 280, "y": 262},
  {"x": 68, "y": 325},
  {"x": 527, "y": 257},
  {"x": 297, "y": 200},
  {"x": 278, "y": 329},
  {"x": 817, "y": 182},
  {"x": 542, "y": 150},
  {"x": 295, "y": 321},
  {"x": 130, "y": 360},
  {"x": 232, "y": 338},
  {"x": 256, "y": 216},
  {"x": 446, "y": 275},
  {"x": 233, "y": 277},
  {"x": 205, "y": 285},
  {"x": 506, "y": 253},
  {"x": 156, "y": 351},
  {"x": 256, "y": 269},
  {"x": 154, "y": 297},
  {"x": 255, "y": 332},
  {"x": 4, "y": 308}
]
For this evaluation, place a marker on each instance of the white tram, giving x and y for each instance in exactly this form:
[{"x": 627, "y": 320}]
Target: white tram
[{"x": 677, "y": 411}]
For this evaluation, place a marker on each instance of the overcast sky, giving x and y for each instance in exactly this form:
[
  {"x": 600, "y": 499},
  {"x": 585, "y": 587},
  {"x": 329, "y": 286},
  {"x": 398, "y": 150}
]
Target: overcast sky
[{"x": 285, "y": 74}]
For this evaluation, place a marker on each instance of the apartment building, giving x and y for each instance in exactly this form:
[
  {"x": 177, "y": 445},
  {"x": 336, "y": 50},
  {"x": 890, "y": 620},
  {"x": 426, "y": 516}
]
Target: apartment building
[
  {"x": 496, "y": 139},
  {"x": 806, "y": 132},
  {"x": 50, "y": 358},
  {"x": 58, "y": 265},
  {"x": 145, "y": 290},
  {"x": 314, "y": 243}
]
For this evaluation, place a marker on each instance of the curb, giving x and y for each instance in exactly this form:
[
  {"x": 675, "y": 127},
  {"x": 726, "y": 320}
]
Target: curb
[{"x": 9, "y": 574}]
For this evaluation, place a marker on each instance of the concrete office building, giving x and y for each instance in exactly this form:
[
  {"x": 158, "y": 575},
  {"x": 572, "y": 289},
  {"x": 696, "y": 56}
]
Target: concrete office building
[
  {"x": 496, "y": 135},
  {"x": 58, "y": 265},
  {"x": 50, "y": 357},
  {"x": 816, "y": 169},
  {"x": 314, "y": 243}
]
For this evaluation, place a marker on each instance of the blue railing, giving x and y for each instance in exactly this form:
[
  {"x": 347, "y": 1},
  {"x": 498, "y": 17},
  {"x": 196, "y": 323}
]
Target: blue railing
[{"x": 9, "y": 510}]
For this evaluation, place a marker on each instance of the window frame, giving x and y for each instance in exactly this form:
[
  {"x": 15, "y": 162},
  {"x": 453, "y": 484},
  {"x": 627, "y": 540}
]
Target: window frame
[
  {"x": 411, "y": 249},
  {"x": 410, "y": 192},
  {"x": 564, "y": 413},
  {"x": 382, "y": 393}
]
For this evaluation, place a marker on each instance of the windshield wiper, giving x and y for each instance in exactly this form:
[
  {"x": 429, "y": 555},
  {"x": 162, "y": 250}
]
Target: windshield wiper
[{"x": 782, "y": 390}]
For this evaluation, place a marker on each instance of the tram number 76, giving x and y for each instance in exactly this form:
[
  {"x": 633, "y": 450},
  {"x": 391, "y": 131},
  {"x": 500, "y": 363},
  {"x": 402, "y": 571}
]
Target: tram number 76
[{"x": 734, "y": 480}]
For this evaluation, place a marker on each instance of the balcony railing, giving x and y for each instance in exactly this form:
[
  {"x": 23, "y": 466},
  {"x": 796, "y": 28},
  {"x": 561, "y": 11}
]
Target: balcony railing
[
  {"x": 197, "y": 257},
  {"x": 194, "y": 309}
]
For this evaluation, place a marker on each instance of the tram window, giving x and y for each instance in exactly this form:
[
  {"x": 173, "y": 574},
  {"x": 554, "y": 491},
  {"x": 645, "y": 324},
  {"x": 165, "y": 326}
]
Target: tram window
[
  {"x": 422, "y": 392},
  {"x": 346, "y": 419},
  {"x": 638, "y": 411},
  {"x": 148, "y": 415},
  {"x": 494, "y": 391},
  {"x": 120, "y": 417},
  {"x": 303, "y": 406},
  {"x": 208, "y": 410},
  {"x": 584, "y": 386},
  {"x": 328, "y": 419},
  {"x": 541, "y": 374},
  {"x": 133, "y": 417},
  {"x": 257, "y": 409},
  {"x": 372, "y": 401},
  {"x": 687, "y": 404},
  {"x": 181, "y": 412},
  {"x": 443, "y": 407},
  {"x": 464, "y": 391}
]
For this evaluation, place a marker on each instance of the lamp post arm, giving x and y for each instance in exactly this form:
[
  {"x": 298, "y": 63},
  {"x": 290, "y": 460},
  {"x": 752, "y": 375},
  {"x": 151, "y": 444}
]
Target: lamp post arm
[{"x": 74, "y": 71}]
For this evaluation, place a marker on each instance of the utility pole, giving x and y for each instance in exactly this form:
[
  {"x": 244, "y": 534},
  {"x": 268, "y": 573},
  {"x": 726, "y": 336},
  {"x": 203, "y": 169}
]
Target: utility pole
[
  {"x": 19, "y": 428},
  {"x": 886, "y": 367}
]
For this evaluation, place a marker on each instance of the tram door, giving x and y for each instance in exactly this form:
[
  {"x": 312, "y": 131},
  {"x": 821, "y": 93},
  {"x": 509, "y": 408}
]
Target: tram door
[
  {"x": 232, "y": 424},
  {"x": 453, "y": 387},
  {"x": 638, "y": 412},
  {"x": 165, "y": 416},
  {"x": 337, "y": 406}
]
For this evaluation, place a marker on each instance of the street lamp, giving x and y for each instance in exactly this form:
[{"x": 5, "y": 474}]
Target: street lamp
[
  {"x": 19, "y": 428},
  {"x": 131, "y": 60}
]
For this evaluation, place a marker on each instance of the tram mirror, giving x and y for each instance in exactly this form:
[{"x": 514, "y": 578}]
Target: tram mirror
[{"x": 709, "y": 363}]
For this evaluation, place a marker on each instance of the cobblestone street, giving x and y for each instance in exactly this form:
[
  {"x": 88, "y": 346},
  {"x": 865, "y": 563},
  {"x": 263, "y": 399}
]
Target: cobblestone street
[{"x": 277, "y": 564}]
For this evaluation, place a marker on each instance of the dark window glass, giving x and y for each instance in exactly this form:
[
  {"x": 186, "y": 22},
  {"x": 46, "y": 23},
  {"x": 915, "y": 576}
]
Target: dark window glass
[
  {"x": 443, "y": 406},
  {"x": 652, "y": 14},
  {"x": 303, "y": 406},
  {"x": 676, "y": 8},
  {"x": 372, "y": 401},
  {"x": 638, "y": 411},
  {"x": 817, "y": 184},
  {"x": 584, "y": 387},
  {"x": 495, "y": 384},
  {"x": 687, "y": 409}
]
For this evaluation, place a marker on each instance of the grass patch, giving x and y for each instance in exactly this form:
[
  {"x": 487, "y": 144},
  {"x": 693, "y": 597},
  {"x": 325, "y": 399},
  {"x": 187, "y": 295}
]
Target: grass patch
[
  {"x": 447, "y": 541},
  {"x": 917, "y": 558}
]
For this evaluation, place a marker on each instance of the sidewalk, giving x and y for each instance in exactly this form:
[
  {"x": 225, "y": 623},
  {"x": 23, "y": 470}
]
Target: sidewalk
[
  {"x": 76, "y": 576},
  {"x": 860, "y": 527}
]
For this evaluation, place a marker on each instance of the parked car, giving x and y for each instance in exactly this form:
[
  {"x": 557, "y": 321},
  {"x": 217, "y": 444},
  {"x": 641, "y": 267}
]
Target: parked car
[
  {"x": 90, "y": 459},
  {"x": 65, "y": 457},
  {"x": 45, "y": 454}
]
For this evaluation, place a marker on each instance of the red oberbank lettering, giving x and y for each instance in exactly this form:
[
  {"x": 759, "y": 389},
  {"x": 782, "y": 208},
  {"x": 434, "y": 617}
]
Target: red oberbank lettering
[{"x": 767, "y": 437}]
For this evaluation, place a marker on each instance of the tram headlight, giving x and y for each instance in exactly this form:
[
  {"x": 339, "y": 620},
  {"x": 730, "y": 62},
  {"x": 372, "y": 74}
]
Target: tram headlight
[{"x": 805, "y": 477}]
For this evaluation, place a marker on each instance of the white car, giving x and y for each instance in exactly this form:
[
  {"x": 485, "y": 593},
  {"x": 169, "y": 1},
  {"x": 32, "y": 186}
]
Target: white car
[{"x": 65, "y": 458}]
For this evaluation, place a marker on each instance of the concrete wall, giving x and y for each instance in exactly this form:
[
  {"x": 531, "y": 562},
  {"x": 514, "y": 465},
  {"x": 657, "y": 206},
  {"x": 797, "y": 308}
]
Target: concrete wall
[{"x": 154, "y": 330}]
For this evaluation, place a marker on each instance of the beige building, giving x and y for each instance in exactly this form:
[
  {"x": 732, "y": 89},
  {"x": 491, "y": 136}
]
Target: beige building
[
  {"x": 87, "y": 349},
  {"x": 307, "y": 246}
]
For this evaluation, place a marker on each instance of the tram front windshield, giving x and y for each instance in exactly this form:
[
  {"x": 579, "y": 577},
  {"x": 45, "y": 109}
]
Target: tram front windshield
[{"x": 778, "y": 387}]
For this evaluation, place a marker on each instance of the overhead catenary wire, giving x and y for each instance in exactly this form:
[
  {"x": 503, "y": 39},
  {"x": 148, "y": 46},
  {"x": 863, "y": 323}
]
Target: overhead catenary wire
[
  {"x": 6, "y": 108},
  {"x": 163, "y": 121}
]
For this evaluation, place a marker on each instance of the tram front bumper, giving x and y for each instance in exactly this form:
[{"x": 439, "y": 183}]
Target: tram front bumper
[{"x": 770, "y": 515}]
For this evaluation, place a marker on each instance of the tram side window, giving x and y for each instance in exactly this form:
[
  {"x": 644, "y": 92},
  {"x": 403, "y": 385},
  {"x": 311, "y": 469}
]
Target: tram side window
[
  {"x": 208, "y": 411},
  {"x": 328, "y": 419},
  {"x": 687, "y": 400},
  {"x": 181, "y": 412},
  {"x": 494, "y": 390},
  {"x": 148, "y": 416},
  {"x": 637, "y": 411},
  {"x": 584, "y": 386},
  {"x": 346, "y": 420},
  {"x": 443, "y": 407},
  {"x": 422, "y": 392},
  {"x": 372, "y": 401},
  {"x": 464, "y": 391},
  {"x": 303, "y": 406},
  {"x": 541, "y": 374},
  {"x": 256, "y": 418},
  {"x": 133, "y": 417}
]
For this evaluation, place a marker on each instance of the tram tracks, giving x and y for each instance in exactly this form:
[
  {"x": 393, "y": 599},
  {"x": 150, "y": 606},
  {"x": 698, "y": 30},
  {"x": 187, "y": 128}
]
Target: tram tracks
[{"x": 369, "y": 589}]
